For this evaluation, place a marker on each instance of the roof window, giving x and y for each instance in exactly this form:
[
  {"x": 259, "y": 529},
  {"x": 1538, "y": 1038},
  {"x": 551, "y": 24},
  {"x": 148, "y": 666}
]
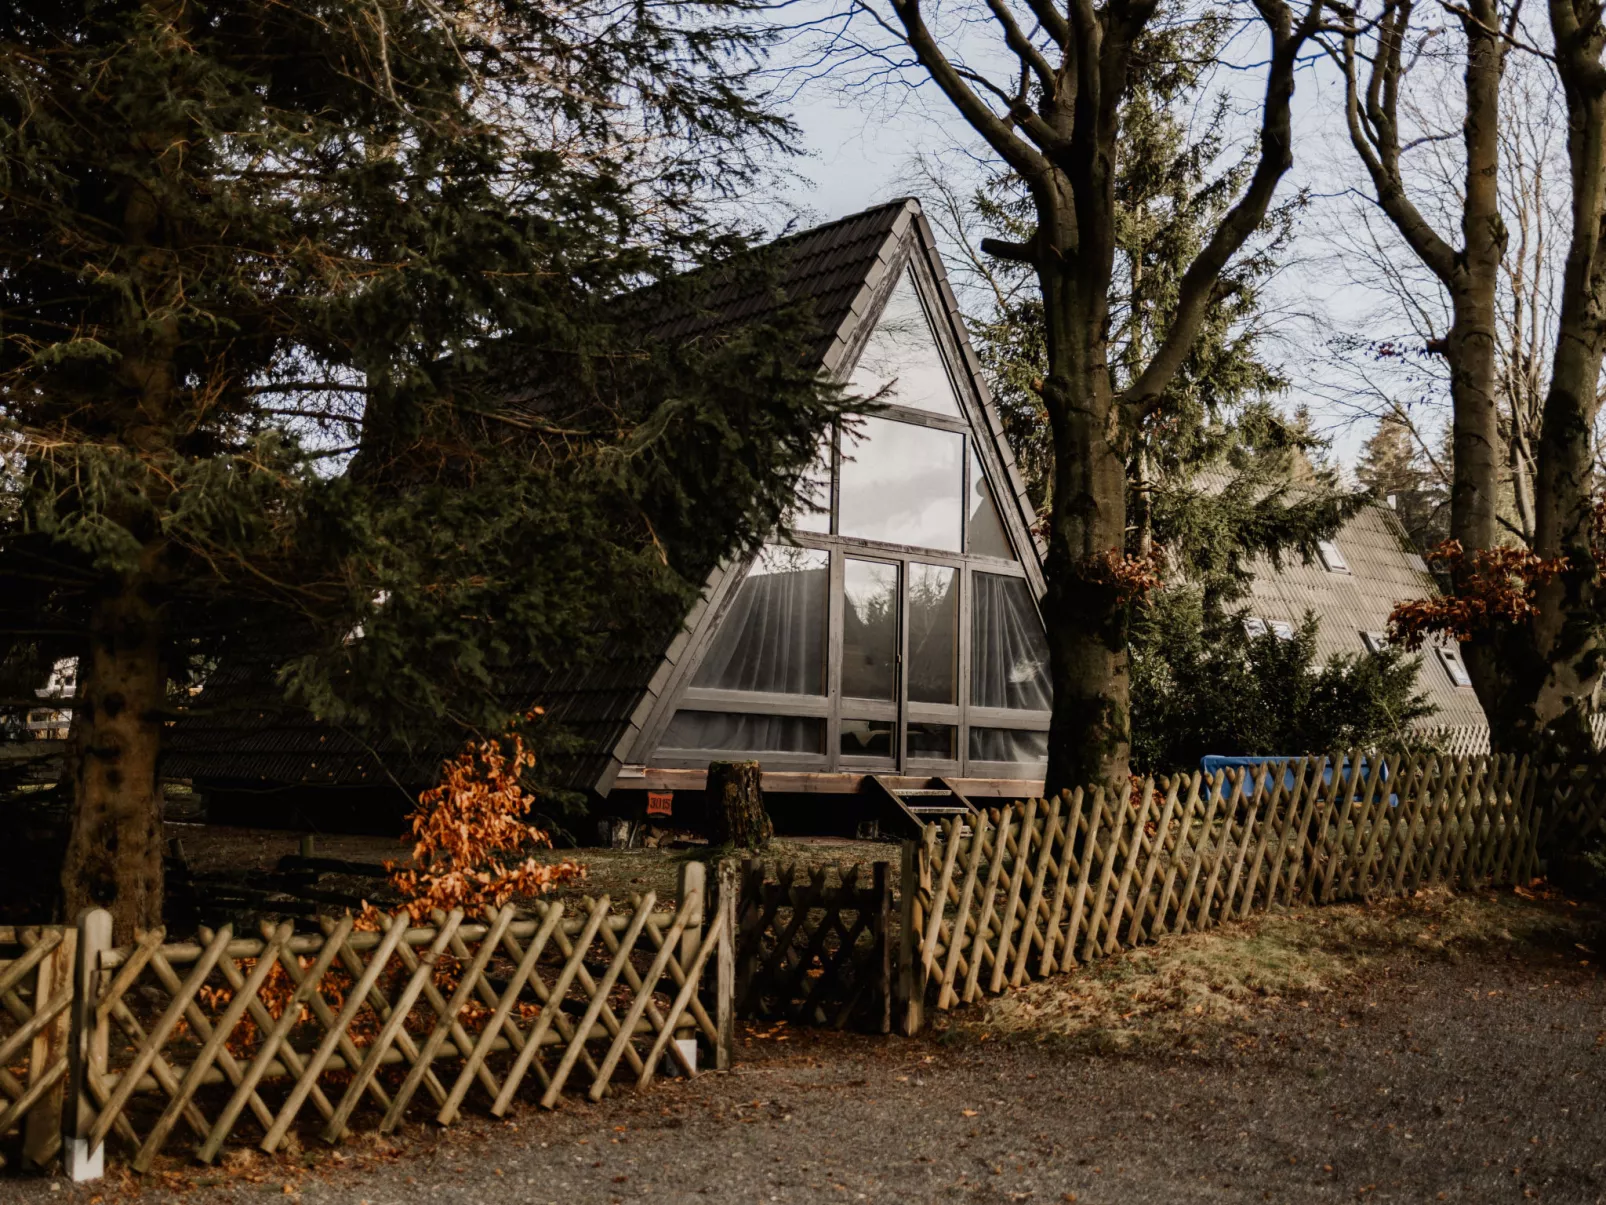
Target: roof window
[
  {"x": 1375, "y": 642},
  {"x": 1332, "y": 559},
  {"x": 1455, "y": 667}
]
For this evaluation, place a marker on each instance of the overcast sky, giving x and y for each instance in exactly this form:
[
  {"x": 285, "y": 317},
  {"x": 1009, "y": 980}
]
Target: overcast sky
[{"x": 859, "y": 148}]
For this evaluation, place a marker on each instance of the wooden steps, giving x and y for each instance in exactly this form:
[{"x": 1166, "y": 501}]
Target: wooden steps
[{"x": 907, "y": 810}]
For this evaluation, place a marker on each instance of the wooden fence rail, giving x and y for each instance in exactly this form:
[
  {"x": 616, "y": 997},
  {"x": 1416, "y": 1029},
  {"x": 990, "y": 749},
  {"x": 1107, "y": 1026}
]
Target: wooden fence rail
[
  {"x": 238, "y": 1037},
  {"x": 241, "y": 1036},
  {"x": 1038, "y": 887},
  {"x": 36, "y": 969}
]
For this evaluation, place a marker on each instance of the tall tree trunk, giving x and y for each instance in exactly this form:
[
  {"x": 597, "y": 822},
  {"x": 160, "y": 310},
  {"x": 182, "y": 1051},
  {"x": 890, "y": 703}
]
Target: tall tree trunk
[
  {"x": 114, "y": 855},
  {"x": 1090, "y": 733},
  {"x": 1558, "y": 678},
  {"x": 1555, "y": 657},
  {"x": 1470, "y": 343}
]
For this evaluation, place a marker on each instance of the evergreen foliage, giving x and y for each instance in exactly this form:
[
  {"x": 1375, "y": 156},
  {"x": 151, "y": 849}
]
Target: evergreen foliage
[
  {"x": 1391, "y": 467},
  {"x": 263, "y": 272},
  {"x": 1201, "y": 685}
]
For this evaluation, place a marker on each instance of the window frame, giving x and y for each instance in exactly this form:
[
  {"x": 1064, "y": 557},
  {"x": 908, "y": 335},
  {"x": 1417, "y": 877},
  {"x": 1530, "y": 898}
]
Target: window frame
[
  {"x": 834, "y": 707},
  {"x": 975, "y": 456}
]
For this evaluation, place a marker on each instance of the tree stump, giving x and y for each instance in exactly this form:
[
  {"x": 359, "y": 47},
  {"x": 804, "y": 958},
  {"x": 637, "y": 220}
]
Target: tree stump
[{"x": 736, "y": 805}]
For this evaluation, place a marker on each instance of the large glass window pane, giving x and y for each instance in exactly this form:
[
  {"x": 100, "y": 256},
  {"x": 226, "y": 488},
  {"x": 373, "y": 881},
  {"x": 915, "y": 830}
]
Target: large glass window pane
[
  {"x": 867, "y": 738},
  {"x": 902, "y": 484},
  {"x": 870, "y": 630},
  {"x": 773, "y": 637},
  {"x": 1008, "y": 652},
  {"x": 987, "y": 536},
  {"x": 902, "y": 352},
  {"x": 728, "y": 731},
  {"x": 1008, "y": 744},
  {"x": 932, "y": 741},
  {"x": 933, "y": 634}
]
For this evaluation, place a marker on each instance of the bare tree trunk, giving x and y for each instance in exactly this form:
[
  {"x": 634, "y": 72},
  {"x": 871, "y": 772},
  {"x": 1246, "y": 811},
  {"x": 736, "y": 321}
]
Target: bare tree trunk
[
  {"x": 1558, "y": 677},
  {"x": 1469, "y": 273},
  {"x": 1056, "y": 122},
  {"x": 1090, "y": 733},
  {"x": 114, "y": 855}
]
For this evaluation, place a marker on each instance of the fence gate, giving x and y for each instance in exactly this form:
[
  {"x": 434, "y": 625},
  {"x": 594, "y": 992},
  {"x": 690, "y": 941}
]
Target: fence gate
[{"x": 814, "y": 947}]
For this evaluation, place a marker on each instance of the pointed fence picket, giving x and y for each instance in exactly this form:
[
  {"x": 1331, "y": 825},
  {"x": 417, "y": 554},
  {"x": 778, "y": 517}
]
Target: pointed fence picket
[{"x": 1041, "y": 886}]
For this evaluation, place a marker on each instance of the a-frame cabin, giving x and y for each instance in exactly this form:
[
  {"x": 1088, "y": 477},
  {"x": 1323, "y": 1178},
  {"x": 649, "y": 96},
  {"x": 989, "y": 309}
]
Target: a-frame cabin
[{"x": 889, "y": 638}]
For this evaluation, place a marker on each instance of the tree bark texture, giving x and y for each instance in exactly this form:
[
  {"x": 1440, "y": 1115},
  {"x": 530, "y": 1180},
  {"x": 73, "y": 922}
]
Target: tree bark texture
[
  {"x": 736, "y": 805},
  {"x": 1557, "y": 676},
  {"x": 114, "y": 853}
]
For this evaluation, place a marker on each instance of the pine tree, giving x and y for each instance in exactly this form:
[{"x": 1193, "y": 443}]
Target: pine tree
[
  {"x": 273, "y": 278},
  {"x": 1391, "y": 469}
]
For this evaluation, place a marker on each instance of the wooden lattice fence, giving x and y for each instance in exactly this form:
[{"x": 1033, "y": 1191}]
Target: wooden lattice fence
[
  {"x": 36, "y": 969},
  {"x": 235, "y": 1037},
  {"x": 814, "y": 945},
  {"x": 1035, "y": 888},
  {"x": 1575, "y": 815}
]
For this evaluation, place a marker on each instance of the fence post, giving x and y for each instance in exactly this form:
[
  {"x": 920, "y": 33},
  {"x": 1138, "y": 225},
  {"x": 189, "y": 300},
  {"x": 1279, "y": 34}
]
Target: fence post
[
  {"x": 693, "y": 881},
  {"x": 725, "y": 967},
  {"x": 881, "y": 885},
  {"x": 911, "y": 973},
  {"x": 86, "y": 1047},
  {"x": 42, "y": 1133}
]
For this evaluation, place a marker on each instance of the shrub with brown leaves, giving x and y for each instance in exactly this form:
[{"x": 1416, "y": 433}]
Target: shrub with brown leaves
[{"x": 473, "y": 844}]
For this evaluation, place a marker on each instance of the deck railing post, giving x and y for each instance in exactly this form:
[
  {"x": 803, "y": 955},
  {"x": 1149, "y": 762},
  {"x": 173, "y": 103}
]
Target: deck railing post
[{"x": 86, "y": 1048}]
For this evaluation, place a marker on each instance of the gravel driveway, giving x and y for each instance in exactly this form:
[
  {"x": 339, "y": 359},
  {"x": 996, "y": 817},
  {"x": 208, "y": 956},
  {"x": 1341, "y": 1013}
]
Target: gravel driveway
[{"x": 1475, "y": 1078}]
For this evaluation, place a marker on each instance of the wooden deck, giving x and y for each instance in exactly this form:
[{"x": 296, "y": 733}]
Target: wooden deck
[{"x": 797, "y": 782}]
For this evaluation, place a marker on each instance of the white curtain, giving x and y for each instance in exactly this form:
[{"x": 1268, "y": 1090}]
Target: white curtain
[
  {"x": 1008, "y": 652},
  {"x": 773, "y": 637}
]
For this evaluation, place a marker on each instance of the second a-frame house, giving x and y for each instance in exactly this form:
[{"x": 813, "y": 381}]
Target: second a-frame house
[{"x": 890, "y": 634}]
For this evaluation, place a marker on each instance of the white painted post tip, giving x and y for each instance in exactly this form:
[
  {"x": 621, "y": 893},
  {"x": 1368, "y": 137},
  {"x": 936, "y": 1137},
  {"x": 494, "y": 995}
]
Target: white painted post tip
[
  {"x": 688, "y": 1047},
  {"x": 83, "y": 1164}
]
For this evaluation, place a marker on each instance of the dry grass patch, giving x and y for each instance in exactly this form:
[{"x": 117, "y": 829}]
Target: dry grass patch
[{"x": 1184, "y": 986}]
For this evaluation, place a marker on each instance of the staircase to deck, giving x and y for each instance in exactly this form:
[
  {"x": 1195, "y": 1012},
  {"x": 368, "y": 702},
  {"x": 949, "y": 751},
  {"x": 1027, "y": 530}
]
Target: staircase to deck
[{"x": 907, "y": 810}]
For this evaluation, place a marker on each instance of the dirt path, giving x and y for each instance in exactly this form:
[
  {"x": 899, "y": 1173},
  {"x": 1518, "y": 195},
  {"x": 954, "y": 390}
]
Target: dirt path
[{"x": 1470, "y": 1075}]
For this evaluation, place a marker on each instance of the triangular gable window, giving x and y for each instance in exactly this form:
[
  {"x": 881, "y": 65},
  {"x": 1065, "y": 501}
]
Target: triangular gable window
[
  {"x": 892, "y": 627},
  {"x": 901, "y": 356}
]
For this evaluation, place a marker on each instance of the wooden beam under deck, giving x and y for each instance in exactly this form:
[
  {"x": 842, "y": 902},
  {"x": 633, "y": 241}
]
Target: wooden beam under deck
[{"x": 799, "y": 782}]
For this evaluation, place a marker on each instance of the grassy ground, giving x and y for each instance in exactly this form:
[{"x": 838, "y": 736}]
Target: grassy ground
[{"x": 1178, "y": 990}]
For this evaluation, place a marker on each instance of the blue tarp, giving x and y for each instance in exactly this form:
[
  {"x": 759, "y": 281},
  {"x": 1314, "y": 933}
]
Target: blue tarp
[{"x": 1215, "y": 763}]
